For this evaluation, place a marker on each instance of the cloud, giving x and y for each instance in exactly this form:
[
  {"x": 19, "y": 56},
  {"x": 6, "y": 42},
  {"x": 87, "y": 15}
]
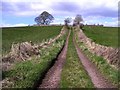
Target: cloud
[
  {"x": 106, "y": 21},
  {"x": 16, "y": 8},
  {"x": 114, "y": 24},
  {"x": 13, "y": 25},
  {"x": 96, "y": 9},
  {"x": 65, "y": 6},
  {"x": 58, "y": 21},
  {"x": 106, "y": 12},
  {"x": 85, "y": 7}
]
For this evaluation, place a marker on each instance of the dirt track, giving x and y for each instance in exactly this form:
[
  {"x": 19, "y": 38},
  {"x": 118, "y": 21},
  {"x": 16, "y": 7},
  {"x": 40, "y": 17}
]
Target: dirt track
[
  {"x": 98, "y": 80},
  {"x": 52, "y": 78}
]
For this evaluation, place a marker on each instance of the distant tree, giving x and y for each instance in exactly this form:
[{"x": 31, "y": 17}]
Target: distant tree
[
  {"x": 67, "y": 21},
  {"x": 81, "y": 25},
  {"x": 78, "y": 19},
  {"x": 44, "y": 18},
  {"x": 74, "y": 23}
]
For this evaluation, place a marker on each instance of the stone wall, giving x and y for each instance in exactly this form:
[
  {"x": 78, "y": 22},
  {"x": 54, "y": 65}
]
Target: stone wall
[
  {"x": 24, "y": 50},
  {"x": 108, "y": 53}
]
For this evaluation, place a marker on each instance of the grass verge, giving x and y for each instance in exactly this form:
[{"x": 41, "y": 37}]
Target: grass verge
[
  {"x": 109, "y": 72},
  {"x": 22, "y": 34},
  {"x": 73, "y": 74},
  {"x": 26, "y": 73}
]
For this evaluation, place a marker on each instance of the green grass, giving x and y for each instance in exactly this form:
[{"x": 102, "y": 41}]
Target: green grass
[
  {"x": 25, "y": 74},
  {"x": 21, "y": 34},
  {"x": 109, "y": 72},
  {"x": 73, "y": 74},
  {"x": 107, "y": 36}
]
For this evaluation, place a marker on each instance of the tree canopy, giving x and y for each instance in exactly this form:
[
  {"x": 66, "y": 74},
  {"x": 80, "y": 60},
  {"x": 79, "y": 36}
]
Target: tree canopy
[
  {"x": 78, "y": 19},
  {"x": 44, "y": 18},
  {"x": 67, "y": 20}
]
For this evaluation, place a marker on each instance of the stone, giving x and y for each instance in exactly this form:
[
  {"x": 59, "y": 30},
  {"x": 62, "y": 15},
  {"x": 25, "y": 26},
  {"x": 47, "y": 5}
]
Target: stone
[{"x": 108, "y": 53}]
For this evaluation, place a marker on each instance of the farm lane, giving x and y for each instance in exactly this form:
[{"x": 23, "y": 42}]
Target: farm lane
[
  {"x": 52, "y": 77},
  {"x": 97, "y": 78},
  {"x": 72, "y": 52}
]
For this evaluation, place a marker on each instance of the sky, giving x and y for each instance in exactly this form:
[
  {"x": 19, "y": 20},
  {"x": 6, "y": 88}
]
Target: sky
[{"x": 23, "y": 12}]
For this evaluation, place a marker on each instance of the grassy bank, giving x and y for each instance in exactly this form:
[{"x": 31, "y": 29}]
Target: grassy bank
[
  {"x": 109, "y": 72},
  {"x": 73, "y": 74},
  {"x": 25, "y": 74},
  {"x": 21, "y": 34},
  {"x": 107, "y": 36}
]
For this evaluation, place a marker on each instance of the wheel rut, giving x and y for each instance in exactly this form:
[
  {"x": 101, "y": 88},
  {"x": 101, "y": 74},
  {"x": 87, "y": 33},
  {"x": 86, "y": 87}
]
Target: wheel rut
[
  {"x": 97, "y": 78},
  {"x": 52, "y": 77}
]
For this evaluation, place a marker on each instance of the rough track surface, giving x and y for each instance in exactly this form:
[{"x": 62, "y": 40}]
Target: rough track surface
[
  {"x": 98, "y": 80},
  {"x": 52, "y": 77}
]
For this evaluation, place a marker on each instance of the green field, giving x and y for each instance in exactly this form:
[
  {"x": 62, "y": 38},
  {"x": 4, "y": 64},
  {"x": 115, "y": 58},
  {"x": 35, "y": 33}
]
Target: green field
[
  {"x": 25, "y": 74},
  {"x": 21, "y": 34},
  {"x": 107, "y": 36},
  {"x": 28, "y": 72}
]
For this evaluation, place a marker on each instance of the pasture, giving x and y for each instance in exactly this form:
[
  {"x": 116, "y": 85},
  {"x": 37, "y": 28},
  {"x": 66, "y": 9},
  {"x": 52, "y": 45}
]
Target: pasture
[
  {"x": 107, "y": 36},
  {"x": 21, "y": 34},
  {"x": 32, "y": 71}
]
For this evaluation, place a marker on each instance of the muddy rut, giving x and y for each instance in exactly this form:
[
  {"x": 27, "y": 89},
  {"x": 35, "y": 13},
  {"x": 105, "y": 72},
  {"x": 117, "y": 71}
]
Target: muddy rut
[
  {"x": 97, "y": 78},
  {"x": 52, "y": 77}
]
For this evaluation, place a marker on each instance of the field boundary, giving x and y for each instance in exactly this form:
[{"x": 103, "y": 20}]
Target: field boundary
[
  {"x": 34, "y": 67},
  {"x": 24, "y": 51},
  {"x": 97, "y": 78},
  {"x": 108, "y": 53},
  {"x": 52, "y": 78}
]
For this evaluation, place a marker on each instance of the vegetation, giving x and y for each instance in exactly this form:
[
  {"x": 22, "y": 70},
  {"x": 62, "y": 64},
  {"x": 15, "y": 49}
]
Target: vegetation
[
  {"x": 109, "y": 72},
  {"x": 44, "y": 18},
  {"x": 67, "y": 21},
  {"x": 73, "y": 73},
  {"x": 107, "y": 36},
  {"x": 25, "y": 74},
  {"x": 21, "y": 34},
  {"x": 78, "y": 19}
]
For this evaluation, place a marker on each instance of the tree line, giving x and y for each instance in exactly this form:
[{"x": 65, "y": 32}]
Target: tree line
[{"x": 46, "y": 18}]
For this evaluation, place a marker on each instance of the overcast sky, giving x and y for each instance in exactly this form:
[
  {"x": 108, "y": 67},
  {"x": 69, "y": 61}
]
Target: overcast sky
[{"x": 23, "y": 12}]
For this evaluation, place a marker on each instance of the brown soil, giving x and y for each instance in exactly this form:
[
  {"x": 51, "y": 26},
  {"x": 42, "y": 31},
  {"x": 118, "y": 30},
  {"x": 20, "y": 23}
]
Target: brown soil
[
  {"x": 97, "y": 78},
  {"x": 52, "y": 77}
]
